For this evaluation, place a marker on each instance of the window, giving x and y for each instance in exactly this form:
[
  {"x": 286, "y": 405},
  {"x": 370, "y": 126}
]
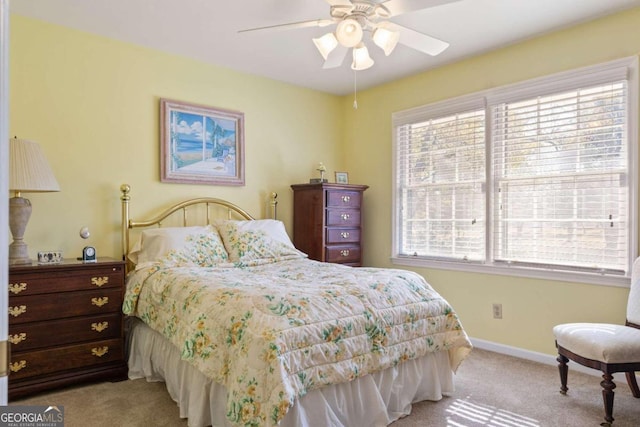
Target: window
[
  {"x": 441, "y": 163},
  {"x": 535, "y": 179}
]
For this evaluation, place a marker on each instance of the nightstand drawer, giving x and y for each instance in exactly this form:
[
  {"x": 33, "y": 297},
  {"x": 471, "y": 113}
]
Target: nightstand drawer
[
  {"x": 28, "y": 336},
  {"x": 344, "y": 199},
  {"x": 343, "y": 217},
  {"x": 33, "y": 363},
  {"x": 65, "y": 304},
  {"x": 47, "y": 279},
  {"x": 343, "y": 254},
  {"x": 343, "y": 235}
]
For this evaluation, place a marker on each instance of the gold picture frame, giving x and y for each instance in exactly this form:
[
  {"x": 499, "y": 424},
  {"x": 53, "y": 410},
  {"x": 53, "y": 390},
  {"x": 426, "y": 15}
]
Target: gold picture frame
[
  {"x": 200, "y": 144},
  {"x": 342, "y": 177}
]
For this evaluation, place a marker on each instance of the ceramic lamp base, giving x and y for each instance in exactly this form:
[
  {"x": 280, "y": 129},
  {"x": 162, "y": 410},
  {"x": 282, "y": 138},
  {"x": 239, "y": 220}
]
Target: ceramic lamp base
[{"x": 19, "y": 214}]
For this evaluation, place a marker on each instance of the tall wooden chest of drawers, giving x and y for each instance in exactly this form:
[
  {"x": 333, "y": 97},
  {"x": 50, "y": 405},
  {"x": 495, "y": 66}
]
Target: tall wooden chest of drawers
[
  {"x": 327, "y": 221},
  {"x": 65, "y": 324}
]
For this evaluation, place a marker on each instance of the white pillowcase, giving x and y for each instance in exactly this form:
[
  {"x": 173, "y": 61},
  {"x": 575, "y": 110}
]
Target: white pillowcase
[{"x": 179, "y": 247}]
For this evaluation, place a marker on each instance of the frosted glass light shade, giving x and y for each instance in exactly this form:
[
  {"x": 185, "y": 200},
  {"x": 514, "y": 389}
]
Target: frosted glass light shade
[
  {"x": 29, "y": 170},
  {"x": 326, "y": 44},
  {"x": 361, "y": 58},
  {"x": 349, "y": 32},
  {"x": 385, "y": 39}
]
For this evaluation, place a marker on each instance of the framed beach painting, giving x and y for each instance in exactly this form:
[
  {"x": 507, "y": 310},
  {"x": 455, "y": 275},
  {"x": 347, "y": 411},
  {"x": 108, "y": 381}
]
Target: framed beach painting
[{"x": 201, "y": 145}]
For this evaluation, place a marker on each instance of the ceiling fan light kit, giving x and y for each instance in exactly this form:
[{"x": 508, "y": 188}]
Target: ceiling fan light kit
[
  {"x": 349, "y": 32},
  {"x": 361, "y": 58},
  {"x": 326, "y": 44},
  {"x": 385, "y": 39}
]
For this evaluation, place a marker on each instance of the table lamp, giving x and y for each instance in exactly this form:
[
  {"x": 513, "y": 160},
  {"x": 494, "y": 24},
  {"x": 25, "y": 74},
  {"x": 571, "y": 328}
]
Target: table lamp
[{"x": 29, "y": 172}]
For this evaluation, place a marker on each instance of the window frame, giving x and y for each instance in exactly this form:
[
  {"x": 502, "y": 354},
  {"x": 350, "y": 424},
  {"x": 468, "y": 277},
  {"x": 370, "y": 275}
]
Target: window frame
[{"x": 624, "y": 68}]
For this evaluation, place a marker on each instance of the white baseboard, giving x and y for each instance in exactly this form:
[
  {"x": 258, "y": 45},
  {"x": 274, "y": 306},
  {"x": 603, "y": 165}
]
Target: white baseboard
[{"x": 529, "y": 355}]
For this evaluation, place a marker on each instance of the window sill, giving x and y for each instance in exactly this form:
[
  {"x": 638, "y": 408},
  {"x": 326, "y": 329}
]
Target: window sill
[{"x": 471, "y": 267}]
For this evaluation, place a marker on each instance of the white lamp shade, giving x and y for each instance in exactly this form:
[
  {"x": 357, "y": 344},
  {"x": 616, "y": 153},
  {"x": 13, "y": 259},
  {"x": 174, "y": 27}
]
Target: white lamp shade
[
  {"x": 349, "y": 32},
  {"x": 361, "y": 58},
  {"x": 385, "y": 39},
  {"x": 29, "y": 170},
  {"x": 326, "y": 44}
]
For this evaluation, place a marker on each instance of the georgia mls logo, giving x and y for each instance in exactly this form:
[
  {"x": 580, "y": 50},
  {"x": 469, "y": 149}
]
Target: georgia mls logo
[
  {"x": 55, "y": 410},
  {"x": 32, "y": 416}
]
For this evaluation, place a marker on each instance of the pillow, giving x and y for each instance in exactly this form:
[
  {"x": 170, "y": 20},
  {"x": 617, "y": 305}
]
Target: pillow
[
  {"x": 256, "y": 239},
  {"x": 179, "y": 247}
]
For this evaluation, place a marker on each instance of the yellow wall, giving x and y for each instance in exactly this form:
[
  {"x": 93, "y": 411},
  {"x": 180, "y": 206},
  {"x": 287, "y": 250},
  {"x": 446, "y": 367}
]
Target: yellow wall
[
  {"x": 530, "y": 307},
  {"x": 93, "y": 105}
]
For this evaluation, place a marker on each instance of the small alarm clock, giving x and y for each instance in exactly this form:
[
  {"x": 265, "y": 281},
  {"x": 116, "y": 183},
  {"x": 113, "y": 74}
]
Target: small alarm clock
[{"x": 89, "y": 254}]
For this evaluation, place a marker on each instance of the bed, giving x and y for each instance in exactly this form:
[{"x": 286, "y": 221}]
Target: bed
[{"x": 245, "y": 330}]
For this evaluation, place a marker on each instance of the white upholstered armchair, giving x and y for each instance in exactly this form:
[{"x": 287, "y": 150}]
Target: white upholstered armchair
[{"x": 606, "y": 347}]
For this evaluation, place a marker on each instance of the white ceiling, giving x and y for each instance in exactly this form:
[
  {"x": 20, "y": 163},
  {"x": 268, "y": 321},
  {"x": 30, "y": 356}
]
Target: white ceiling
[{"x": 207, "y": 30}]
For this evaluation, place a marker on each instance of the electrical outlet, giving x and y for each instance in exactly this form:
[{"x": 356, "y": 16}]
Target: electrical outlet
[{"x": 497, "y": 311}]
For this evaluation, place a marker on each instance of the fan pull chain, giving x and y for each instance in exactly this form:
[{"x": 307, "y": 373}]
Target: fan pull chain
[{"x": 355, "y": 90}]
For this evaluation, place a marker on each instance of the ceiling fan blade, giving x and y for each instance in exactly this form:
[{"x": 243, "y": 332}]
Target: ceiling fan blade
[
  {"x": 336, "y": 57},
  {"x": 292, "y": 25},
  {"x": 398, "y": 7},
  {"x": 339, "y": 2},
  {"x": 418, "y": 41}
]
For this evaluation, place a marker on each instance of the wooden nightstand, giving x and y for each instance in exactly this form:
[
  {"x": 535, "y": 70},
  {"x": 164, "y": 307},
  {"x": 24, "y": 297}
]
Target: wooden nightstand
[
  {"x": 327, "y": 221},
  {"x": 65, "y": 324}
]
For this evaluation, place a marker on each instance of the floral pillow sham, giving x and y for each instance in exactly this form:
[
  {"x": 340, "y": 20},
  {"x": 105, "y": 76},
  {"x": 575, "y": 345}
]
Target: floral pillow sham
[
  {"x": 180, "y": 247},
  {"x": 248, "y": 242}
]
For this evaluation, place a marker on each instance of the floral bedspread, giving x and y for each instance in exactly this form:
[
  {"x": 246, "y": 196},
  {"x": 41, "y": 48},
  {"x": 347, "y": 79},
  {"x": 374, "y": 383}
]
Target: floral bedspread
[{"x": 274, "y": 331}]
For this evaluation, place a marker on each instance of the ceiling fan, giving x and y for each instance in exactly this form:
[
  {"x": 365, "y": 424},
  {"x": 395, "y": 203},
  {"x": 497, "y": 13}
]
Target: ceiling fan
[{"x": 355, "y": 17}]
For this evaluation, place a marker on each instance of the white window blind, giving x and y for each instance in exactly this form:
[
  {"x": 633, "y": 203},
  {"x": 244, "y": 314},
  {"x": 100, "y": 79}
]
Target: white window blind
[
  {"x": 441, "y": 182},
  {"x": 560, "y": 179},
  {"x": 536, "y": 179}
]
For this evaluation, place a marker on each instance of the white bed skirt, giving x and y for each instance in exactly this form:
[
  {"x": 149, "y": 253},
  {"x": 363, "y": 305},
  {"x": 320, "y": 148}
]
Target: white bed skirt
[{"x": 373, "y": 400}]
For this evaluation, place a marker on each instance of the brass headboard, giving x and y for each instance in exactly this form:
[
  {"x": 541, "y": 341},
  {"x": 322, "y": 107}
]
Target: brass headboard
[{"x": 232, "y": 211}]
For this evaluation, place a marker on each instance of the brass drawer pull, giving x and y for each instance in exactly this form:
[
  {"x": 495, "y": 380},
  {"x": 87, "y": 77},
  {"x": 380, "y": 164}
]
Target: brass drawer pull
[
  {"x": 99, "y": 352},
  {"x": 16, "y": 288},
  {"x": 100, "y": 281},
  {"x": 345, "y": 234},
  {"x": 17, "y": 311},
  {"x": 100, "y": 301},
  {"x": 99, "y": 327},
  {"x": 344, "y": 252},
  {"x": 346, "y": 199},
  {"x": 17, "y": 338},
  {"x": 345, "y": 216},
  {"x": 17, "y": 366}
]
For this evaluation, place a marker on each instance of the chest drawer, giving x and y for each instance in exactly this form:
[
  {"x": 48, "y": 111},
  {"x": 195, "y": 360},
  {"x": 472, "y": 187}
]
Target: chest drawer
[
  {"x": 28, "y": 336},
  {"x": 34, "y": 363},
  {"x": 343, "y": 254},
  {"x": 62, "y": 305},
  {"x": 343, "y": 217},
  {"x": 44, "y": 280},
  {"x": 344, "y": 199},
  {"x": 343, "y": 235}
]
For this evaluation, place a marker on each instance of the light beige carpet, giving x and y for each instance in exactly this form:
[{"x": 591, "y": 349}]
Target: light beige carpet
[{"x": 491, "y": 390}]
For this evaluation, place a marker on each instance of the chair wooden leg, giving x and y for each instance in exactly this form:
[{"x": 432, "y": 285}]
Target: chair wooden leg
[
  {"x": 563, "y": 369},
  {"x": 607, "y": 395},
  {"x": 633, "y": 384}
]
